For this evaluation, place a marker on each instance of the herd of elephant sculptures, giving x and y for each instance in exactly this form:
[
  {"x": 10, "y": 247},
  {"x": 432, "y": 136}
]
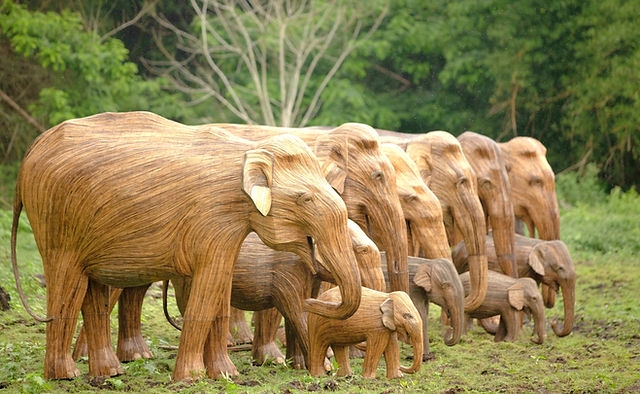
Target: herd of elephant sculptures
[{"x": 258, "y": 218}]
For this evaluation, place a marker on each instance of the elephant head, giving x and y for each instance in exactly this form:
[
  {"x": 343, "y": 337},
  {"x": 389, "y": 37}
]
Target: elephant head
[
  {"x": 427, "y": 236},
  {"x": 354, "y": 165},
  {"x": 440, "y": 282},
  {"x": 400, "y": 315},
  {"x": 533, "y": 190},
  {"x": 494, "y": 191},
  {"x": 447, "y": 173},
  {"x": 524, "y": 295},
  {"x": 301, "y": 215},
  {"x": 549, "y": 263}
]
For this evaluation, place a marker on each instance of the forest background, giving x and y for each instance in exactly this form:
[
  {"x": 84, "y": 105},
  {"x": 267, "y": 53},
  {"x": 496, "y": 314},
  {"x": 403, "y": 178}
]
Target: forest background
[{"x": 564, "y": 72}]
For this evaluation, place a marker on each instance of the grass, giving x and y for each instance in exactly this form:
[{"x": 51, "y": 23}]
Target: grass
[{"x": 601, "y": 355}]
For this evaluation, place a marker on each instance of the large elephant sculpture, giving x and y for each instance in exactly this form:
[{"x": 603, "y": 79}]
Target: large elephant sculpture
[
  {"x": 437, "y": 281},
  {"x": 446, "y": 171},
  {"x": 426, "y": 234},
  {"x": 546, "y": 262},
  {"x": 126, "y": 199},
  {"x": 533, "y": 192},
  {"x": 506, "y": 297},
  {"x": 381, "y": 320},
  {"x": 494, "y": 191}
]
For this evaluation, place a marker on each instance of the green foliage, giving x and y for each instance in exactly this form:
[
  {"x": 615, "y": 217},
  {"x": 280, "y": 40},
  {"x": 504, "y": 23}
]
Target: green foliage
[
  {"x": 580, "y": 187},
  {"x": 92, "y": 75}
]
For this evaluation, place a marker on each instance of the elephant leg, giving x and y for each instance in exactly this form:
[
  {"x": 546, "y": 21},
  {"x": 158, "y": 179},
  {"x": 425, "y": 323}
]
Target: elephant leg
[
  {"x": 131, "y": 344},
  {"x": 501, "y": 332},
  {"x": 341, "y": 353},
  {"x": 66, "y": 289},
  {"x": 392, "y": 357},
  {"x": 264, "y": 347},
  {"x": 81, "y": 350},
  {"x": 297, "y": 345},
  {"x": 206, "y": 325},
  {"x": 239, "y": 328},
  {"x": 376, "y": 344},
  {"x": 317, "y": 353},
  {"x": 96, "y": 315}
]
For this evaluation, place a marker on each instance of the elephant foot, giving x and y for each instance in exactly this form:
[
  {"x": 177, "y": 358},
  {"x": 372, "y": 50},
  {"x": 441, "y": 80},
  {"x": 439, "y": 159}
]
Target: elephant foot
[
  {"x": 188, "y": 370},
  {"x": 297, "y": 362},
  {"x": 241, "y": 334},
  {"x": 133, "y": 348},
  {"x": 394, "y": 374},
  {"x": 64, "y": 368},
  {"x": 267, "y": 352},
  {"x": 81, "y": 349},
  {"x": 220, "y": 365},
  {"x": 104, "y": 363}
]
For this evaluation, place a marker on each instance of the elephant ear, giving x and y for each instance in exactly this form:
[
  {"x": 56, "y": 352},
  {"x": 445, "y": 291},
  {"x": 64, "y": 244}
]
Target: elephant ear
[
  {"x": 333, "y": 153},
  {"x": 422, "y": 277},
  {"x": 515, "y": 294},
  {"x": 257, "y": 177},
  {"x": 420, "y": 153},
  {"x": 387, "y": 314},
  {"x": 536, "y": 260}
]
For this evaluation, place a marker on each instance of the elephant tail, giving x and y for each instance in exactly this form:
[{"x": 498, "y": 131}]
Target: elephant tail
[
  {"x": 171, "y": 320},
  {"x": 17, "y": 209}
]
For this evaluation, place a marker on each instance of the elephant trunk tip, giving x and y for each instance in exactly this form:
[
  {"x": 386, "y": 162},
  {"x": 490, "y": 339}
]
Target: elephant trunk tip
[{"x": 561, "y": 331}]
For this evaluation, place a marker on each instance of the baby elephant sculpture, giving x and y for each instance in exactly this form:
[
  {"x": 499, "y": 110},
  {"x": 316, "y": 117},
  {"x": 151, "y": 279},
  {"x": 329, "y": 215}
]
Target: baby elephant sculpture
[
  {"x": 546, "y": 262},
  {"x": 436, "y": 280},
  {"x": 507, "y": 296},
  {"x": 380, "y": 320}
]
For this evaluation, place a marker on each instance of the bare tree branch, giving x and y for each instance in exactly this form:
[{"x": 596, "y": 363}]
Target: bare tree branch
[{"x": 259, "y": 58}]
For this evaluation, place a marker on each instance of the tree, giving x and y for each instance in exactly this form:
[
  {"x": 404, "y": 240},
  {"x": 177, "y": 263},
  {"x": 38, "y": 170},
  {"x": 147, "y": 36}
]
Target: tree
[{"x": 268, "y": 61}]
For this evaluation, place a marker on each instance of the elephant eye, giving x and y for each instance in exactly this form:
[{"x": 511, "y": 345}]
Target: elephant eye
[
  {"x": 377, "y": 176},
  {"x": 485, "y": 183},
  {"x": 304, "y": 199},
  {"x": 536, "y": 181},
  {"x": 408, "y": 316},
  {"x": 462, "y": 181},
  {"x": 410, "y": 198}
]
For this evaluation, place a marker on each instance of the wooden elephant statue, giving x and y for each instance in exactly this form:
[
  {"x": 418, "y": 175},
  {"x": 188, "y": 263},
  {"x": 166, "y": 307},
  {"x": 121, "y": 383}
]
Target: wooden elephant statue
[
  {"x": 494, "y": 191},
  {"x": 506, "y": 297},
  {"x": 126, "y": 199},
  {"x": 546, "y": 262},
  {"x": 381, "y": 320},
  {"x": 437, "y": 281},
  {"x": 446, "y": 171}
]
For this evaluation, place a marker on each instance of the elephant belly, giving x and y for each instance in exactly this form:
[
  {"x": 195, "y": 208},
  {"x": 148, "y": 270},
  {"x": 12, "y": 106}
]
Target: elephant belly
[{"x": 129, "y": 273}]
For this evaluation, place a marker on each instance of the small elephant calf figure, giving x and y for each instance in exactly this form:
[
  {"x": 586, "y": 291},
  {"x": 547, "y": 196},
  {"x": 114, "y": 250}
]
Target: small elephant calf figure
[
  {"x": 506, "y": 296},
  {"x": 380, "y": 320}
]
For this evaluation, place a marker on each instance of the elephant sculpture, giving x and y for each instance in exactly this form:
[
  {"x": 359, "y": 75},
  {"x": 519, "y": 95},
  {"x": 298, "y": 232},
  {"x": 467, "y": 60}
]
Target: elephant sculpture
[
  {"x": 437, "y": 281},
  {"x": 546, "y": 262},
  {"x": 426, "y": 234},
  {"x": 126, "y": 199},
  {"x": 381, "y": 320},
  {"x": 494, "y": 191},
  {"x": 533, "y": 192},
  {"x": 506, "y": 297},
  {"x": 445, "y": 170}
]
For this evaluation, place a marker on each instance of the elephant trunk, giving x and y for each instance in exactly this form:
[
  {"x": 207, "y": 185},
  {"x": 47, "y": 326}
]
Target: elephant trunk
[
  {"x": 471, "y": 223},
  {"x": 568, "y": 294},
  {"x": 454, "y": 305},
  {"x": 347, "y": 278},
  {"x": 503, "y": 227},
  {"x": 392, "y": 235},
  {"x": 431, "y": 239},
  {"x": 416, "y": 339}
]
